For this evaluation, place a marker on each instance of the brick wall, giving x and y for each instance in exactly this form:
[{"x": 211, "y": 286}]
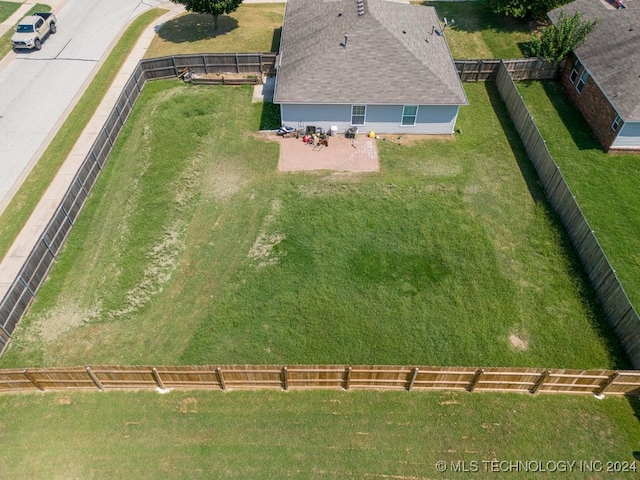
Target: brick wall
[{"x": 593, "y": 105}]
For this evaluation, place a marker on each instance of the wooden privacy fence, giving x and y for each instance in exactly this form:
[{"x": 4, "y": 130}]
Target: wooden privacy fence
[
  {"x": 519, "y": 69},
  {"x": 232, "y": 377},
  {"x": 44, "y": 253},
  {"x": 209, "y": 63},
  {"x": 620, "y": 313}
]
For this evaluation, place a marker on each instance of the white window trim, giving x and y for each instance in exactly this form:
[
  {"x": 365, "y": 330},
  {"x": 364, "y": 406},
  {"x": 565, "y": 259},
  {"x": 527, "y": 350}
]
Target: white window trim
[
  {"x": 364, "y": 116},
  {"x": 584, "y": 77},
  {"x": 577, "y": 70},
  {"x": 616, "y": 123},
  {"x": 415, "y": 117}
]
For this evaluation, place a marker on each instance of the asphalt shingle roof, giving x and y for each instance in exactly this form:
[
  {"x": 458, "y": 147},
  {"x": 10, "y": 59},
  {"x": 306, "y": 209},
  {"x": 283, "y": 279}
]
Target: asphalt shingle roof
[
  {"x": 395, "y": 54},
  {"x": 611, "y": 53}
]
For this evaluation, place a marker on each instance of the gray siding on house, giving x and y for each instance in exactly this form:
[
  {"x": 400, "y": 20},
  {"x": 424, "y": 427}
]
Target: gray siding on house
[
  {"x": 628, "y": 137},
  {"x": 431, "y": 119}
]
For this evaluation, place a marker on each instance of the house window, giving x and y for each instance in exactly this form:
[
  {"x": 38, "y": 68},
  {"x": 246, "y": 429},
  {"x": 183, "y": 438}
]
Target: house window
[
  {"x": 616, "y": 123},
  {"x": 574, "y": 73},
  {"x": 409, "y": 114},
  {"x": 358, "y": 113},
  {"x": 583, "y": 81}
]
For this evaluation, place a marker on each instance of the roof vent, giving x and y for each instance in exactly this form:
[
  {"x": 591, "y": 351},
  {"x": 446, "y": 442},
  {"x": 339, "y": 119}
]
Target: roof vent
[{"x": 360, "y": 7}]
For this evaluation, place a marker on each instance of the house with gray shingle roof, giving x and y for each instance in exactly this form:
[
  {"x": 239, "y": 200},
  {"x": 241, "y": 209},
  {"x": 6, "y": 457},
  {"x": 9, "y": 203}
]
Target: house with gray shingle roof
[
  {"x": 372, "y": 64},
  {"x": 602, "y": 76}
]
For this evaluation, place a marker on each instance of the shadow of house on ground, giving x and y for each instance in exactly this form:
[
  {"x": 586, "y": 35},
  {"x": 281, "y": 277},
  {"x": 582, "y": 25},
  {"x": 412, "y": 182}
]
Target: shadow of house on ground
[
  {"x": 194, "y": 27},
  {"x": 275, "y": 42},
  {"x": 571, "y": 117}
]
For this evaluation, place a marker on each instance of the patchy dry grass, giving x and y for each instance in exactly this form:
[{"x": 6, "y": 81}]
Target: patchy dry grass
[{"x": 194, "y": 249}]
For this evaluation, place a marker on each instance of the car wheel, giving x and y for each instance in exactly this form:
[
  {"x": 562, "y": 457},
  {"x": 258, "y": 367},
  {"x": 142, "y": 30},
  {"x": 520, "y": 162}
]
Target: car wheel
[
  {"x": 37, "y": 44},
  {"x": 54, "y": 29}
]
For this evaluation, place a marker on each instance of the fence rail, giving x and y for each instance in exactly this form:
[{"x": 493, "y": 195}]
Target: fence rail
[
  {"x": 620, "y": 313},
  {"x": 519, "y": 69},
  {"x": 167, "y": 67},
  {"x": 236, "y": 377}
]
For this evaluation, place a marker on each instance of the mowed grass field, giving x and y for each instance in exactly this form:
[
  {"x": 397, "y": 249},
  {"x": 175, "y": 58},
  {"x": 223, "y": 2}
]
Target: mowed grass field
[
  {"x": 605, "y": 185},
  {"x": 477, "y": 32},
  {"x": 193, "y": 249},
  {"x": 314, "y": 435},
  {"x": 251, "y": 28}
]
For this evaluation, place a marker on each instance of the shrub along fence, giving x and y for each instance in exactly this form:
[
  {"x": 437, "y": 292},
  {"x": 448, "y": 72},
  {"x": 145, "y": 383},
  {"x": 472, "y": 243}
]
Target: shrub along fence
[
  {"x": 232, "y": 377},
  {"x": 620, "y": 312}
]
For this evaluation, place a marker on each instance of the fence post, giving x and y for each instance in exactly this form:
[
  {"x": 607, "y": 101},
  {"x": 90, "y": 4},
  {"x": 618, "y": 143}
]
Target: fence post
[
  {"x": 95, "y": 379},
  {"x": 413, "y": 378},
  {"x": 175, "y": 67},
  {"x": 204, "y": 62},
  {"x": 32, "y": 380},
  {"x": 347, "y": 378},
  {"x": 221, "y": 378},
  {"x": 607, "y": 383},
  {"x": 540, "y": 381},
  {"x": 475, "y": 380},
  {"x": 156, "y": 375},
  {"x": 285, "y": 379}
]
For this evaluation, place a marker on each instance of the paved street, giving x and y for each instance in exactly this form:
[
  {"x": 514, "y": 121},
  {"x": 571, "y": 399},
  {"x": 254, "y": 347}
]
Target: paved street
[{"x": 37, "y": 87}]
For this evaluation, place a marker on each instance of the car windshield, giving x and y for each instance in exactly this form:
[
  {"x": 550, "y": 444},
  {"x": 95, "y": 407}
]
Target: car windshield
[{"x": 25, "y": 28}]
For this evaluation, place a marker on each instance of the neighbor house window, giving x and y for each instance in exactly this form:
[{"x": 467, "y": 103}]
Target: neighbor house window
[
  {"x": 573, "y": 76},
  {"x": 583, "y": 81},
  {"x": 357, "y": 114},
  {"x": 616, "y": 123},
  {"x": 409, "y": 114}
]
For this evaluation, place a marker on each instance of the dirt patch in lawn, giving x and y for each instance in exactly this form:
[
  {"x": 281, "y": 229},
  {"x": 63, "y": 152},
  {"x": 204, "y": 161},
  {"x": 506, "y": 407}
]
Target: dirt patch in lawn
[{"x": 518, "y": 343}]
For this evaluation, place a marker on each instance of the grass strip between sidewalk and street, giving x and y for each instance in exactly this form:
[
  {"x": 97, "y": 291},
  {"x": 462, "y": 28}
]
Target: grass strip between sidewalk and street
[{"x": 27, "y": 197}]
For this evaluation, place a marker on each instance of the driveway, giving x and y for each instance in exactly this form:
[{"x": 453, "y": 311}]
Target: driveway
[{"x": 37, "y": 87}]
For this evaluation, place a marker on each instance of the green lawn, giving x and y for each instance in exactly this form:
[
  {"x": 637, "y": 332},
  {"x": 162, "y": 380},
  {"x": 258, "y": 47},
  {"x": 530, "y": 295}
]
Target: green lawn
[
  {"x": 252, "y": 28},
  {"x": 604, "y": 185},
  {"x": 309, "y": 434},
  {"x": 194, "y": 249},
  {"x": 27, "y": 197},
  {"x": 7, "y": 9},
  {"x": 480, "y": 33}
]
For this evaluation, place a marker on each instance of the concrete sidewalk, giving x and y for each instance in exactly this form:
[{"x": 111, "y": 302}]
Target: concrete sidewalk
[{"x": 32, "y": 231}]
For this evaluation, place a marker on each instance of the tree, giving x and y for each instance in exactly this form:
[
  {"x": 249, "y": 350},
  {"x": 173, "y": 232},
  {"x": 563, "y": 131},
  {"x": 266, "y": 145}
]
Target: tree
[
  {"x": 522, "y": 8},
  {"x": 211, "y": 7},
  {"x": 556, "y": 41}
]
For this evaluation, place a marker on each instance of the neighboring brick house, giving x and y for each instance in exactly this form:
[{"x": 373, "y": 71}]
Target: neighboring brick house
[
  {"x": 602, "y": 76},
  {"x": 372, "y": 64}
]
